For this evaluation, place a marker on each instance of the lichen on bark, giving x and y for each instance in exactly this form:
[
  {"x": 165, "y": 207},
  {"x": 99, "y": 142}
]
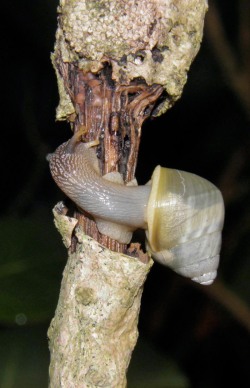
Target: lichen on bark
[
  {"x": 156, "y": 40},
  {"x": 117, "y": 62},
  {"x": 94, "y": 330}
]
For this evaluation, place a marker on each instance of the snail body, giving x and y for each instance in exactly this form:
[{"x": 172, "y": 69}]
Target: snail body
[
  {"x": 117, "y": 209},
  {"x": 182, "y": 213}
]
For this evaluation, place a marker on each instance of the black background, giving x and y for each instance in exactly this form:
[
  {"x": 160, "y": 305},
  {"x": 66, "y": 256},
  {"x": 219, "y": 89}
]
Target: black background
[{"x": 207, "y": 132}]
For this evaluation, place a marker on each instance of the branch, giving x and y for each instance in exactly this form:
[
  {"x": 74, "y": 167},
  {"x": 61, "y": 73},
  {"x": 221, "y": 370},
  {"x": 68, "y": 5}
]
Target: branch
[
  {"x": 117, "y": 63},
  {"x": 231, "y": 301},
  {"x": 95, "y": 327},
  {"x": 237, "y": 74}
]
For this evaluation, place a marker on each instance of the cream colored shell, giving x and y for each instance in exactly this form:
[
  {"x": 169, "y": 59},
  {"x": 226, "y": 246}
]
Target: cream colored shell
[{"x": 185, "y": 215}]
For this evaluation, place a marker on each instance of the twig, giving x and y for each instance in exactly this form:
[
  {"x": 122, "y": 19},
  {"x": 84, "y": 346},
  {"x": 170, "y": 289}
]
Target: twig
[
  {"x": 230, "y": 300},
  {"x": 237, "y": 75}
]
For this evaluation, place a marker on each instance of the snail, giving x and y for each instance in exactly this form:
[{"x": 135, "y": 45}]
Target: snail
[{"x": 182, "y": 213}]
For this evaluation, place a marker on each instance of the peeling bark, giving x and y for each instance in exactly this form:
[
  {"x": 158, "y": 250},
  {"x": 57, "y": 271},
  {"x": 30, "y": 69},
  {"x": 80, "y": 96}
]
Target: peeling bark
[{"x": 117, "y": 63}]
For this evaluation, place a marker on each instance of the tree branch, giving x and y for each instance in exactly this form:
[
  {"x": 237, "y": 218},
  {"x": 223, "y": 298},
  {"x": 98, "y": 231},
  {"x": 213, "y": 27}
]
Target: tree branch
[{"x": 117, "y": 62}]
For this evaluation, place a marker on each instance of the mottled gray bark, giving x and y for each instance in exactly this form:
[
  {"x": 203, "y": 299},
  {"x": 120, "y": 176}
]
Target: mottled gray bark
[
  {"x": 117, "y": 62},
  {"x": 94, "y": 330}
]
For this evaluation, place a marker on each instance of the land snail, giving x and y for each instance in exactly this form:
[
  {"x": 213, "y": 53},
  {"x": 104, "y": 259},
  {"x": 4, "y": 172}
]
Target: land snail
[{"x": 182, "y": 213}]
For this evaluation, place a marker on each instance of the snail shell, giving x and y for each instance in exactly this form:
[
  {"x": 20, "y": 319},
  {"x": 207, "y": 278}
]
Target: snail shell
[
  {"x": 182, "y": 213},
  {"x": 185, "y": 215}
]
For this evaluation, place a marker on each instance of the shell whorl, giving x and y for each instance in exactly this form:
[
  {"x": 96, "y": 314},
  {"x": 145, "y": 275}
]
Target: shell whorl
[{"x": 185, "y": 220}]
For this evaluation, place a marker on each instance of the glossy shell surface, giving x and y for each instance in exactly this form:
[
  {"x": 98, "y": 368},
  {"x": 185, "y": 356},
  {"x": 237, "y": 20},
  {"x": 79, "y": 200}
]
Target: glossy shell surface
[{"x": 185, "y": 217}]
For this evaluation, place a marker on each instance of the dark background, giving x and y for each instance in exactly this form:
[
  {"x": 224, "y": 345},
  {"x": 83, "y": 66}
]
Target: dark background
[{"x": 190, "y": 336}]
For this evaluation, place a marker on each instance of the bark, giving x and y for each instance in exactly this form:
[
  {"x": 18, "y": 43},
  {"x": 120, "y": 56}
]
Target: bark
[
  {"x": 117, "y": 63},
  {"x": 95, "y": 327}
]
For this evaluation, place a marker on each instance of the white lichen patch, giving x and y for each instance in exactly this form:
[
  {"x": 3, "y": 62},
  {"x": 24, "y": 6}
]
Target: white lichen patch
[
  {"x": 64, "y": 224},
  {"x": 94, "y": 330},
  {"x": 153, "y": 39},
  {"x": 112, "y": 28}
]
